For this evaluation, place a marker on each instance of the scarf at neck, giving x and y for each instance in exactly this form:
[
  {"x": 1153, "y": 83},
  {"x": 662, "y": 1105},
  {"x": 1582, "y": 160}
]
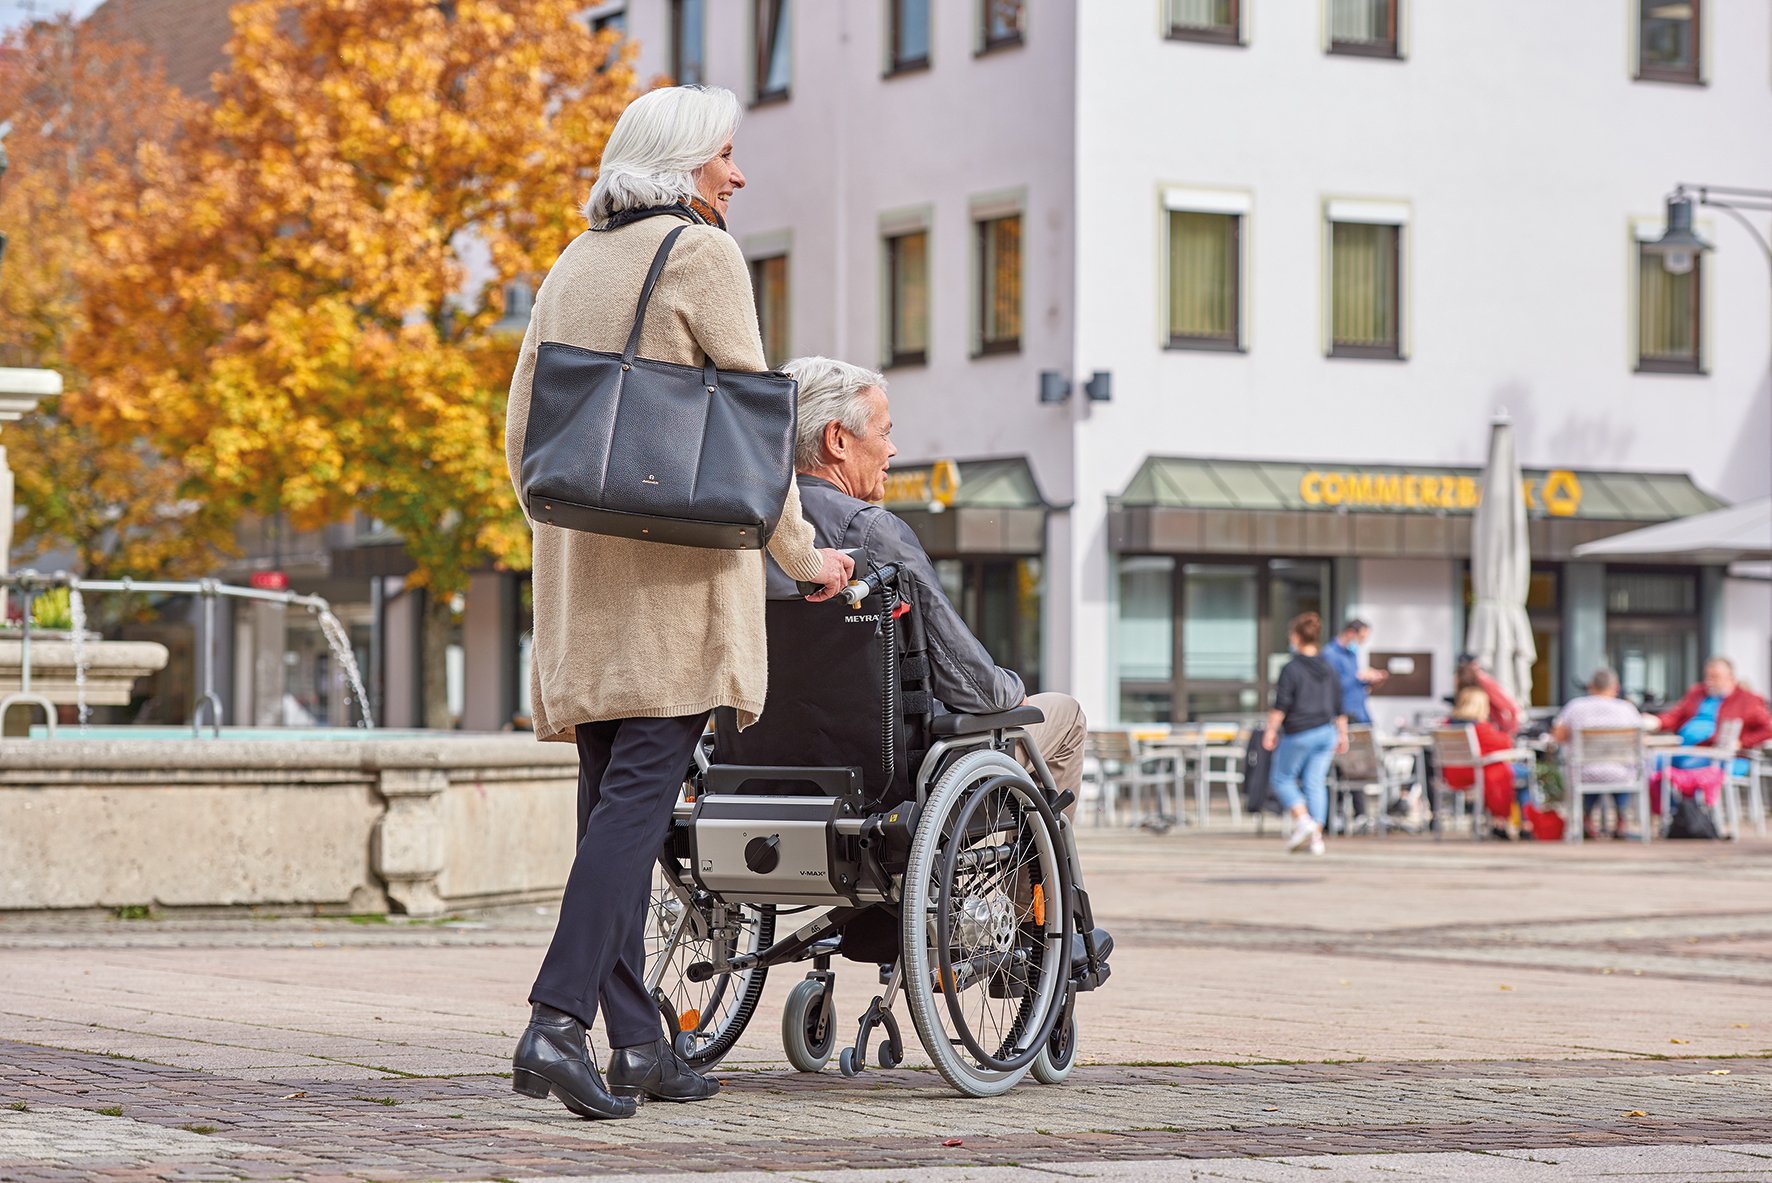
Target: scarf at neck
[{"x": 695, "y": 209}]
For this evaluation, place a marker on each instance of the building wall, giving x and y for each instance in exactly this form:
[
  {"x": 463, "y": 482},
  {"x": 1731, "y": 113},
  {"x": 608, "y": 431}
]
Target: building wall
[{"x": 1524, "y": 148}]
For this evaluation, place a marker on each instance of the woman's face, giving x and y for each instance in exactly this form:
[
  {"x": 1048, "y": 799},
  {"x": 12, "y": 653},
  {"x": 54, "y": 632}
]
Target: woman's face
[{"x": 716, "y": 180}]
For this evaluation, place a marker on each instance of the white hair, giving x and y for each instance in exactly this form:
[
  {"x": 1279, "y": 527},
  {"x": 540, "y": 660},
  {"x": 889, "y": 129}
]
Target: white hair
[
  {"x": 830, "y": 392},
  {"x": 661, "y": 140}
]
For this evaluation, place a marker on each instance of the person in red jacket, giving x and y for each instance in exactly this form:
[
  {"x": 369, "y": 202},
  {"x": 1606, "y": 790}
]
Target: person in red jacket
[
  {"x": 1504, "y": 713},
  {"x": 1472, "y": 706},
  {"x": 1718, "y": 699}
]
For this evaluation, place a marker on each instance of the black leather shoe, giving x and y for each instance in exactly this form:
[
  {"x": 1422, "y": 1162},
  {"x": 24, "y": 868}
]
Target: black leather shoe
[
  {"x": 552, "y": 1058},
  {"x": 654, "y": 1069}
]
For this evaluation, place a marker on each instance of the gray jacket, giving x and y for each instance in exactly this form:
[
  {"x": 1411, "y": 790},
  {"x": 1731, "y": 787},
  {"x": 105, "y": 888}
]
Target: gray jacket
[{"x": 964, "y": 677}]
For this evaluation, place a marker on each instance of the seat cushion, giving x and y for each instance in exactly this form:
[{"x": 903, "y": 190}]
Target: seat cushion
[{"x": 1021, "y": 716}]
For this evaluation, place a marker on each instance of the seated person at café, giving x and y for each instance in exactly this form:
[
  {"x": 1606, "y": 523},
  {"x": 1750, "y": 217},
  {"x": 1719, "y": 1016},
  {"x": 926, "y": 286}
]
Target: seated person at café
[
  {"x": 1599, "y": 707},
  {"x": 1504, "y": 713},
  {"x": 842, "y": 448},
  {"x": 1699, "y": 717},
  {"x": 1472, "y": 706}
]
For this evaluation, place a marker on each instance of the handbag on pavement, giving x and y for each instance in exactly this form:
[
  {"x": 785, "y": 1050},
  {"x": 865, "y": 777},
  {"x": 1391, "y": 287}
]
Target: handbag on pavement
[{"x": 656, "y": 451}]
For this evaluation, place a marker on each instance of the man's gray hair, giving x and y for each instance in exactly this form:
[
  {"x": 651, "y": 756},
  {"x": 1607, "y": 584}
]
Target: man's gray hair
[
  {"x": 659, "y": 142},
  {"x": 830, "y": 392},
  {"x": 1603, "y": 680}
]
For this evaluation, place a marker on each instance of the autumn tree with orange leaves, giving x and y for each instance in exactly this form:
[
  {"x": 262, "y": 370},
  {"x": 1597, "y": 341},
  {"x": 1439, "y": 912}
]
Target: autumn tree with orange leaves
[
  {"x": 285, "y": 300},
  {"x": 80, "y": 107}
]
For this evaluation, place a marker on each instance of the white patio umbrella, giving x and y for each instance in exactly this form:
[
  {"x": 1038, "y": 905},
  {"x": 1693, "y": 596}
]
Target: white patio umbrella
[{"x": 1500, "y": 633}]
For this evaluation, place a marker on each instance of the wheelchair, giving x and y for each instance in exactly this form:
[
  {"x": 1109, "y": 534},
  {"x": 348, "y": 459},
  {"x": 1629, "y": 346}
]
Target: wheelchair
[{"x": 914, "y": 843}]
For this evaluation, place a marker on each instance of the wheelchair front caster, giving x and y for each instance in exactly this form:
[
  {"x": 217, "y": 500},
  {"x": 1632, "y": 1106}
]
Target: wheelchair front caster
[
  {"x": 808, "y": 1027},
  {"x": 849, "y": 1064},
  {"x": 891, "y": 1055},
  {"x": 1059, "y": 1053},
  {"x": 683, "y": 1043}
]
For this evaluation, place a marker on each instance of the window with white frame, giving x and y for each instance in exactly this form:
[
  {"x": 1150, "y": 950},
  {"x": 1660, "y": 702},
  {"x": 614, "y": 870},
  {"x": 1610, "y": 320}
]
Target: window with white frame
[
  {"x": 1667, "y": 40},
  {"x": 1001, "y": 24},
  {"x": 1670, "y": 313},
  {"x": 908, "y": 35},
  {"x": 771, "y": 28},
  {"x": 769, "y": 286},
  {"x": 1366, "y": 278},
  {"x": 1204, "y": 268},
  {"x": 999, "y": 283},
  {"x": 688, "y": 47},
  {"x": 1364, "y": 28},
  {"x": 1204, "y": 20},
  {"x": 907, "y": 297}
]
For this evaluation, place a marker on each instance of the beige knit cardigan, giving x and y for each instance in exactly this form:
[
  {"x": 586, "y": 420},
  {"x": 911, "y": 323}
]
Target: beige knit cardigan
[{"x": 624, "y": 628}]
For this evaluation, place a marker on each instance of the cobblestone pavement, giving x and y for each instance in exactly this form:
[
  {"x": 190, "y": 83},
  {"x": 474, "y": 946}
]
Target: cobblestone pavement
[{"x": 1399, "y": 1009}]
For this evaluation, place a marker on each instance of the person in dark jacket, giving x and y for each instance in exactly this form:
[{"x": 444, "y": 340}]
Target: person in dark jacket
[
  {"x": 1305, "y": 729},
  {"x": 843, "y": 448}
]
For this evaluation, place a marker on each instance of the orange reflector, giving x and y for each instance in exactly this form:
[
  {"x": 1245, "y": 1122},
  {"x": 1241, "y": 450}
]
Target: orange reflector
[
  {"x": 689, "y": 1020},
  {"x": 1039, "y": 903},
  {"x": 939, "y": 979}
]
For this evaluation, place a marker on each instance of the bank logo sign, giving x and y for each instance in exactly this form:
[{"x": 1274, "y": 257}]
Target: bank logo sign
[{"x": 1557, "y": 493}]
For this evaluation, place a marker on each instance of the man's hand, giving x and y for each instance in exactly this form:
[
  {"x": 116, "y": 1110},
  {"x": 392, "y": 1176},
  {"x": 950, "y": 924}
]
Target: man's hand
[
  {"x": 1374, "y": 677},
  {"x": 833, "y": 577}
]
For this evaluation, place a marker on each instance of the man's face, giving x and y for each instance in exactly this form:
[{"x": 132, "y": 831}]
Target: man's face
[
  {"x": 864, "y": 459},
  {"x": 1719, "y": 679},
  {"x": 1357, "y": 637}
]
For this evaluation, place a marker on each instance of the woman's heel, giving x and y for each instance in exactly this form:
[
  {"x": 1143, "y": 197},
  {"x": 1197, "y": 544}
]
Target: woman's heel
[{"x": 530, "y": 1084}]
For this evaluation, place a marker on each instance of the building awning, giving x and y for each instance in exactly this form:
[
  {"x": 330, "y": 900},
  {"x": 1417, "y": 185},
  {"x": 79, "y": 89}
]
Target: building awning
[
  {"x": 970, "y": 507},
  {"x": 1177, "y": 504},
  {"x": 1736, "y": 534}
]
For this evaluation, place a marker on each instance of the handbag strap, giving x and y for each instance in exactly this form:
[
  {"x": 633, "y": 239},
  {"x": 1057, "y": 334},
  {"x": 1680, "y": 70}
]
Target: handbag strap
[{"x": 708, "y": 375}]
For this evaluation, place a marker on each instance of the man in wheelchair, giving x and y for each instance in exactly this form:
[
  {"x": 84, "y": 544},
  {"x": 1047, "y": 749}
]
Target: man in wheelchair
[{"x": 899, "y": 786}]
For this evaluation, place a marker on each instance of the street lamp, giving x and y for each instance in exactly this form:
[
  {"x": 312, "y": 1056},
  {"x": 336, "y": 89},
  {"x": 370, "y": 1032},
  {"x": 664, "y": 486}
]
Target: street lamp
[{"x": 1679, "y": 246}]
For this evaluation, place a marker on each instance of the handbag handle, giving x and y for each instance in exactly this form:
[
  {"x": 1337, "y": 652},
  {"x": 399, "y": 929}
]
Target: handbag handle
[{"x": 708, "y": 376}]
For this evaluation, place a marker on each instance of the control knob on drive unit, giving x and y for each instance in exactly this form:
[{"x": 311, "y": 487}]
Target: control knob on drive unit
[{"x": 763, "y": 855}]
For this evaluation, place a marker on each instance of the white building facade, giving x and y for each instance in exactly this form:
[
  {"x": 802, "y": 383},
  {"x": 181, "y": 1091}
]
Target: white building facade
[{"x": 1274, "y": 265}]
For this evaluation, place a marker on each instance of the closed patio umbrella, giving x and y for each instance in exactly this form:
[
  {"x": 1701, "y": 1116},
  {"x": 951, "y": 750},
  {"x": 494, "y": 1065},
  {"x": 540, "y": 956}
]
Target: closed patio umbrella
[{"x": 1500, "y": 633}]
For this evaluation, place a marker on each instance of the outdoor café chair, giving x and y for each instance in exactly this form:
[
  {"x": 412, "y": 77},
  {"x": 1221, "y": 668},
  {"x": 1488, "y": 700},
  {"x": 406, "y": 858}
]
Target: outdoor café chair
[
  {"x": 1455, "y": 746},
  {"x": 1720, "y": 753},
  {"x": 1364, "y": 769},
  {"x": 1220, "y": 765},
  {"x": 1122, "y": 768},
  {"x": 1613, "y": 747}
]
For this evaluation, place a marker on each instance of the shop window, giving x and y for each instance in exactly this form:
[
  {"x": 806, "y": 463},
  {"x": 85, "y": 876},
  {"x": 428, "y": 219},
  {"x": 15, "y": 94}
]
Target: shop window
[
  {"x": 1204, "y": 20},
  {"x": 1667, "y": 40},
  {"x": 1001, "y": 24},
  {"x": 909, "y": 21},
  {"x": 1652, "y": 633},
  {"x": 1144, "y": 640},
  {"x": 1000, "y": 601},
  {"x": 688, "y": 49},
  {"x": 1365, "y": 279},
  {"x": 770, "y": 35},
  {"x": 1365, "y": 28},
  {"x": 907, "y": 299},
  {"x": 1205, "y": 281},
  {"x": 1669, "y": 315},
  {"x": 1219, "y": 623},
  {"x": 999, "y": 284},
  {"x": 769, "y": 287}
]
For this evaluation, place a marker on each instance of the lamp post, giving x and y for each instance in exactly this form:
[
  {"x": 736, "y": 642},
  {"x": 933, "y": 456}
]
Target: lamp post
[{"x": 1679, "y": 246}]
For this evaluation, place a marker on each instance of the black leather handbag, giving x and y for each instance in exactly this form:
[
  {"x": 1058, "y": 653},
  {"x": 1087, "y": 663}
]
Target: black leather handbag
[{"x": 651, "y": 450}]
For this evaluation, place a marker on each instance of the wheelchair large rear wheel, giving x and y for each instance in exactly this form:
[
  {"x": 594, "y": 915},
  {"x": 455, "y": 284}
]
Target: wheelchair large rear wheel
[
  {"x": 682, "y": 929},
  {"x": 987, "y": 924}
]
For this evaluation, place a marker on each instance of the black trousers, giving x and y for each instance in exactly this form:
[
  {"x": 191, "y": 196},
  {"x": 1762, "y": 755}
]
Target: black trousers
[{"x": 629, "y": 771}]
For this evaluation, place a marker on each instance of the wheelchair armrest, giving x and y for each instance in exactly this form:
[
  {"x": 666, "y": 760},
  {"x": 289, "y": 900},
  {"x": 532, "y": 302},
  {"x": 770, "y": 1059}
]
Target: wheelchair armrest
[{"x": 1021, "y": 716}]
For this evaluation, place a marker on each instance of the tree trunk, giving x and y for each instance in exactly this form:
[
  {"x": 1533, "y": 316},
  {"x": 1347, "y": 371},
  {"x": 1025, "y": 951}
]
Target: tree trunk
[{"x": 434, "y": 693}]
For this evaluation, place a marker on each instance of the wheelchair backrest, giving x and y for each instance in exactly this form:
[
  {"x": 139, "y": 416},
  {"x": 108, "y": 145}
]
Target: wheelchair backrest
[{"x": 847, "y": 688}]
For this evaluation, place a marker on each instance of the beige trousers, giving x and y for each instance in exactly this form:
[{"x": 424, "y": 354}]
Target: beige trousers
[{"x": 1060, "y": 739}]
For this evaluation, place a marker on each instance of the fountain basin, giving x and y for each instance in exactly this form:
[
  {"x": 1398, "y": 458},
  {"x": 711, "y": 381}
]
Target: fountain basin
[
  {"x": 111, "y": 666},
  {"x": 422, "y": 824}
]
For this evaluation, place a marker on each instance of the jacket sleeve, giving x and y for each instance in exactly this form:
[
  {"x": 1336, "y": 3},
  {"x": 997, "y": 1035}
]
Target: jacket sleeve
[
  {"x": 1286, "y": 688},
  {"x": 719, "y": 313},
  {"x": 517, "y": 412},
  {"x": 1688, "y": 706},
  {"x": 1756, "y": 722},
  {"x": 964, "y": 676}
]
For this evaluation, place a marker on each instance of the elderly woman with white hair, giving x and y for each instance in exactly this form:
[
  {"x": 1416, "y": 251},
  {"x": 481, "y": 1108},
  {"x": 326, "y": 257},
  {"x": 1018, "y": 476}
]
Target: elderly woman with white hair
[{"x": 637, "y": 642}]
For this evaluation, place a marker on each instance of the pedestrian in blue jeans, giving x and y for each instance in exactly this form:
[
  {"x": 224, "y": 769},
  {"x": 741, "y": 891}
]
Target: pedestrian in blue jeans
[{"x": 1305, "y": 729}]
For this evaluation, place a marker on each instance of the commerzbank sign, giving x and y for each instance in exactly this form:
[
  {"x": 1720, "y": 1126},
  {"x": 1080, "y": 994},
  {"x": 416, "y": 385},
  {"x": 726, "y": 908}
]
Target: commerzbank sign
[{"x": 1557, "y": 492}]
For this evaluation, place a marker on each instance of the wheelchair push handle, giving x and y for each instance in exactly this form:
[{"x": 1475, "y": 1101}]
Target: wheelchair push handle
[{"x": 857, "y": 590}]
